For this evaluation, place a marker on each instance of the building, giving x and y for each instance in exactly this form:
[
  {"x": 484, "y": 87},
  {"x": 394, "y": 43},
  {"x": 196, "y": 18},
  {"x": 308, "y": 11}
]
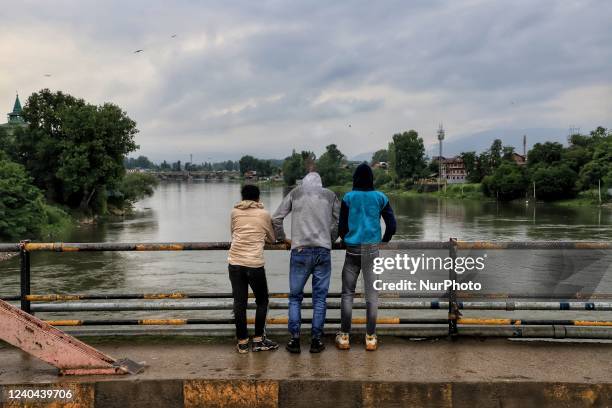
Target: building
[
  {"x": 453, "y": 169},
  {"x": 14, "y": 118},
  {"x": 519, "y": 159}
]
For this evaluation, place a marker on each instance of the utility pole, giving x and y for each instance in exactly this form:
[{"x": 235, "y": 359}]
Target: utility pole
[
  {"x": 599, "y": 189},
  {"x": 440, "y": 138},
  {"x": 525, "y": 147}
]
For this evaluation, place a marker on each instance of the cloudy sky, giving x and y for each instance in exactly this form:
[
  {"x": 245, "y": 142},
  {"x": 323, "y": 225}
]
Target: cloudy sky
[{"x": 263, "y": 77}]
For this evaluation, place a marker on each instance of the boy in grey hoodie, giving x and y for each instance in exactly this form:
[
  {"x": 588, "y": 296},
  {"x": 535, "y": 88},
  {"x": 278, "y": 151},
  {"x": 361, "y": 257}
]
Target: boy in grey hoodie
[{"x": 314, "y": 228}]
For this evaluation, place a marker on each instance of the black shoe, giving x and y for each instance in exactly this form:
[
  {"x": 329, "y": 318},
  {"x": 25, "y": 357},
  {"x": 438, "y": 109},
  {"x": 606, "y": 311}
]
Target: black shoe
[
  {"x": 316, "y": 345},
  {"x": 242, "y": 348},
  {"x": 264, "y": 345},
  {"x": 293, "y": 345}
]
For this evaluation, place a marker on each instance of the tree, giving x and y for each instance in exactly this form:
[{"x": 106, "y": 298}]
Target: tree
[
  {"x": 330, "y": 168},
  {"x": 141, "y": 162},
  {"x": 409, "y": 155},
  {"x": 546, "y": 153},
  {"x": 495, "y": 153},
  {"x": 381, "y": 155},
  {"x": 297, "y": 166},
  {"x": 508, "y": 153},
  {"x": 250, "y": 163},
  {"x": 470, "y": 162},
  {"x": 507, "y": 182},
  {"x": 554, "y": 181},
  {"x": 74, "y": 150},
  {"x": 22, "y": 211}
]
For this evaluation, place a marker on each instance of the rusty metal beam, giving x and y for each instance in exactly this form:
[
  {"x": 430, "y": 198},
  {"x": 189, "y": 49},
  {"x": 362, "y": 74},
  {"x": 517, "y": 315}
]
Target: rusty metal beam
[
  {"x": 393, "y": 245},
  {"x": 45, "y": 342}
]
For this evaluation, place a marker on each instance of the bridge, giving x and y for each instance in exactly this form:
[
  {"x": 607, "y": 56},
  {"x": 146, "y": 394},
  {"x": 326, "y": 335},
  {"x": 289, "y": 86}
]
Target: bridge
[
  {"x": 197, "y": 175},
  {"x": 188, "y": 368}
]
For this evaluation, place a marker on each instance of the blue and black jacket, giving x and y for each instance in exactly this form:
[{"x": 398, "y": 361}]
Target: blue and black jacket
[{"x": 361, "y": 209}]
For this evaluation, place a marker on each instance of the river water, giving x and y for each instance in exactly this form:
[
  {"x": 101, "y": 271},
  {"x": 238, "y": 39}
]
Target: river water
[{"x": 199, "y": 211}]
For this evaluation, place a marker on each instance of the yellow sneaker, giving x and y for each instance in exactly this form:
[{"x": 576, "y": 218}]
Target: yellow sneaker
[
  {"x": 371, "y": 342},
  {"x": 342, "y": 341}
]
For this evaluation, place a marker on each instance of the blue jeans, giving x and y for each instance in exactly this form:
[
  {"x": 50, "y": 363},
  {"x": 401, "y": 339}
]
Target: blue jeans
[{"x": 315, "y": 261}]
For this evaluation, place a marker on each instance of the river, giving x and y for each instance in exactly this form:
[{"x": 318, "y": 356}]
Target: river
[{"x": 199, "y": 211}]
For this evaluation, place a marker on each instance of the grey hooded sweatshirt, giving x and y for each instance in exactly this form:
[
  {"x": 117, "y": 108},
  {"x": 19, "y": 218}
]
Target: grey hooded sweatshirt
[{"x": 314, "y": 214}]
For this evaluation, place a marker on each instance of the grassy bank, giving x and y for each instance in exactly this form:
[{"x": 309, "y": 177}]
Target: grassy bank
[
  {"x": 454, "y": 191},
  {"x": 473, "y": 191}
]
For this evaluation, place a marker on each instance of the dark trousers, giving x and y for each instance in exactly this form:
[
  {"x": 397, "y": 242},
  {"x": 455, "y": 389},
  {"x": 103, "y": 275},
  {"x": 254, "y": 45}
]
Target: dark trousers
[
  {"x": 242, "y": 277},
  {"x": 359, "y": 259}
]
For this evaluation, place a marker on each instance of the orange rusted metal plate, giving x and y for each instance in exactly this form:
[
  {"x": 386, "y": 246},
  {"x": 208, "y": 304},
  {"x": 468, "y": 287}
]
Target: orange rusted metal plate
[
  {"x": 234, "y": 393},
  {"x": 51, "y": 345}
]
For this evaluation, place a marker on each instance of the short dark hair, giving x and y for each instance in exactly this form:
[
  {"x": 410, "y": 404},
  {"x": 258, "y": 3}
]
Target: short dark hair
[{"x": 250, "y": 192}]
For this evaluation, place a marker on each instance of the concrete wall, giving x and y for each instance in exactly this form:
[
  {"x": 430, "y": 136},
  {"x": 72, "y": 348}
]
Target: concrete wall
[{"x": 318, "y": 393}]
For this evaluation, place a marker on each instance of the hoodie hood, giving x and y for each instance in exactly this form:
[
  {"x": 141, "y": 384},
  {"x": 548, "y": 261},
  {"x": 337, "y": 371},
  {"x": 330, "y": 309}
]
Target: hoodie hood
[
  {"x": 312, "y": 180},
  {"x": 246, "y": 204},
  {"x": 363, "y": 178}
]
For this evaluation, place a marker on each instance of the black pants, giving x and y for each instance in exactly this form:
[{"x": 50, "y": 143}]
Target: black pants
[{"x": 242, "y": 277}]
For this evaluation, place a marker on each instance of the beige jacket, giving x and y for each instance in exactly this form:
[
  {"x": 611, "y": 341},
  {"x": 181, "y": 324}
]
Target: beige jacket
[{"x": 251, "y": 229}]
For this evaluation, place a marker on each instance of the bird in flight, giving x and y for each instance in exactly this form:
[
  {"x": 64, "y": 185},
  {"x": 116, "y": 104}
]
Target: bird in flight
[
  {"x": 47, "y": 75},
  {"x": 137, "y": 51},
  {"x": 350, "y": 125},
  {"x": 173, "y": 36}
]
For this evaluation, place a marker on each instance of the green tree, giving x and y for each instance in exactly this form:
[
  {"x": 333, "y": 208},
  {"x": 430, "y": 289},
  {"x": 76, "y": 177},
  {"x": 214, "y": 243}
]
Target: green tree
[
  {"x": 554, "y": 181},
  {"x": 470, "y": 162},
  {"x": 136, "y": 186},
  {"x": 507, "y": 182},
  {"x": 330, "y": 167},
  {"x": 141, "y": 162},
  {"x": 74, "y": 150},
  {"x": 22, "y": 210},
  {"x": 495, "y": 153},
  {"x": 297, "y": 166},
  {"x": 250, "y": 163},
  {"x": 507, "y": 153},
  {"x": 409, "y": 160},
  {"x": 546, "y": 153},
  {"x": 381, "y": 155}
]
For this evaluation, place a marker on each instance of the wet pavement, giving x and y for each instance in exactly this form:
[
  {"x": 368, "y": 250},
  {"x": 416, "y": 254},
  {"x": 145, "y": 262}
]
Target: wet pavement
[{"x": 398, "y": 359}]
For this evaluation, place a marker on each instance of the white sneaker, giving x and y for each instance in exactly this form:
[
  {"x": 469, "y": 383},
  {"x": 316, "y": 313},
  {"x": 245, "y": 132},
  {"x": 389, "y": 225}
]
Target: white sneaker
[
  {"x": 371, "y": 342},
  {"x": 342, "y": 341}
]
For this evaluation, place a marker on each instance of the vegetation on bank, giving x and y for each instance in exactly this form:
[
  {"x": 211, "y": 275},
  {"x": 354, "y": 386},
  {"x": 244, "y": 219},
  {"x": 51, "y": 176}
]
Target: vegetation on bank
[
  {"x": 571, "y": 176},
  {"x": 66, "y": 163}
]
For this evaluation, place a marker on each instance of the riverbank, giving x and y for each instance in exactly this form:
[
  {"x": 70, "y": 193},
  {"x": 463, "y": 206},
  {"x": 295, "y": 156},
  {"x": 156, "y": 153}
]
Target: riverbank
[
  {"x": 434, "y": 373},
  {"x": 473, "y": 191}
]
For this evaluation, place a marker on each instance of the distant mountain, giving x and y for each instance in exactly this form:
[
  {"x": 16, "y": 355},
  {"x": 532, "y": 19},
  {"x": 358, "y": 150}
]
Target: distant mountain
[
  {"x": 367, "y": 156},
  {"x": 481, "y": 141}
]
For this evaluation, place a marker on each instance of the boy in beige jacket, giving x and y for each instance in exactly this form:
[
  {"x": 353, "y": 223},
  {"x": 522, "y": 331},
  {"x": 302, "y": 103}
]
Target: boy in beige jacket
[{"x": 251, "y": 227}]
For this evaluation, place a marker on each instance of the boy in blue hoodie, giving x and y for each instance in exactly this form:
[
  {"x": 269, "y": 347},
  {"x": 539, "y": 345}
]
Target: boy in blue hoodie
[{"x": 359, "y": 227}]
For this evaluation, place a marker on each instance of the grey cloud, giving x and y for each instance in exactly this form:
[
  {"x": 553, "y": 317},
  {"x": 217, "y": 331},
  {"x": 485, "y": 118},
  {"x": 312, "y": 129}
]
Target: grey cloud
[{"x": 241, "y": 67}]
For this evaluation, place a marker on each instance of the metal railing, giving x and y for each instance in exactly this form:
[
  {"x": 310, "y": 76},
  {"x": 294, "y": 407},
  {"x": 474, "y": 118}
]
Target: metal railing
[{"x": 181, "y": 301}]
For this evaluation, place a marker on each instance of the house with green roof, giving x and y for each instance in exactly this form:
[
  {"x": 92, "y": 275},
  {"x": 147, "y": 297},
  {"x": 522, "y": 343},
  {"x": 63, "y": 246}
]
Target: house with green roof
[{"x": 14, "y": 118}]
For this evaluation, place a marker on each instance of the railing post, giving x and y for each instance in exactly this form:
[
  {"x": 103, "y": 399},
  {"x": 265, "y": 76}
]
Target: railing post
[
  {"x": 453, "y": 306},
  {"x": 24, "y": 257}
]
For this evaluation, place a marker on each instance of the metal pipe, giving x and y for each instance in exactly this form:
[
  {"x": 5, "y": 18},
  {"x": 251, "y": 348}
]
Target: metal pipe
[
  {"x": 393, "y": 320},
  {"x": 413, "y": 331},
  {"x": 453, "y": 307},
  {"x": 393, "y": 245},
  {"x": 331, "y": 304},
  {"x": 24, "y": 282},
  {"x": 278, "y": 295}
]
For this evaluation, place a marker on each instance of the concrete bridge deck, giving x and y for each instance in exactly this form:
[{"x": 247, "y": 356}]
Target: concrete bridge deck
[{"x": 203, "y": 372}]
